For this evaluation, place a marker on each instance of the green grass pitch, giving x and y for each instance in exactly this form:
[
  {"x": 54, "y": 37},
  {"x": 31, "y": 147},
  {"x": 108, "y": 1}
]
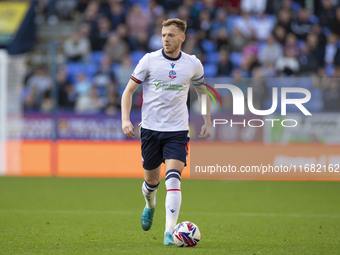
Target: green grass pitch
[{"x": 102, "y": 216}]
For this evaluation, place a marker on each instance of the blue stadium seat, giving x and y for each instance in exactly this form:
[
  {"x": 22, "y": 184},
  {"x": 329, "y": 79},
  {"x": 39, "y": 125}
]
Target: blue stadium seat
[
  {"x": 136, "y": 56},
  {"x": 210, "y": 70},
  {"x": 212, "y": 57},
  {"x": 208, "y": 46},
  {"x": 314, "y": 19},
  {"x": 96, "y": 57},
  {"x": 329, "y": 70},
  {"x": 231, "y": 21},
  {"x": 116, "y": 67},
  {"x": 236, "y": 58},
  {"x": 296, "y": 6},
  {"x": 75, "y": 68}
]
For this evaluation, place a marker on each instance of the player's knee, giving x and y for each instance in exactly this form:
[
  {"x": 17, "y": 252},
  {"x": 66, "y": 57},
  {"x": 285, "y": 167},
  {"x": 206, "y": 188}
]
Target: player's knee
[
  {"x": 173, "y": 179},
  {"x": 151, "y": 180}
]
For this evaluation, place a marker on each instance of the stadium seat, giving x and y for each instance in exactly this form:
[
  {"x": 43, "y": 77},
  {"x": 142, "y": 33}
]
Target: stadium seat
[
  {"x": 116, "y": 67},
  {"x": 210, "y": 70},
  {"x": 329, "y": 70},
  {"x": 208, "y": 46},
  {"x": 75, "y": 68},
  {"x": 236, "y": 58},
  {"x": 96, "y": 57},
  {"x": 136, "y": 56},
  {"x": 231, "y": 21},
  {"x": 212, "y": 57}
]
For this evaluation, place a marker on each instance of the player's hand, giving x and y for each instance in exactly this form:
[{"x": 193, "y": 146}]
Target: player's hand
[
  {"x": 205, "y": 131},
  {"x": 127, "y": 128}
]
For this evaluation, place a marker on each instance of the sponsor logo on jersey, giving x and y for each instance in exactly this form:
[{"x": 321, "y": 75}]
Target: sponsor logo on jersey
[
  {"x": 169, "y": 86},
  {"x": 172, "y": 74}
]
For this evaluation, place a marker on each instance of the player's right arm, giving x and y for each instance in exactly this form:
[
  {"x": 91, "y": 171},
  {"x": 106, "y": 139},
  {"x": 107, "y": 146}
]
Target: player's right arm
[{"x": 126, "y": 104}]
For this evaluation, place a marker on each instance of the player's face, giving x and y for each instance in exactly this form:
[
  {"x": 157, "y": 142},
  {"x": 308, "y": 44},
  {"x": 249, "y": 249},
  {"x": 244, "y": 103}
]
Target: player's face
[{"x": 172, "y": 39}]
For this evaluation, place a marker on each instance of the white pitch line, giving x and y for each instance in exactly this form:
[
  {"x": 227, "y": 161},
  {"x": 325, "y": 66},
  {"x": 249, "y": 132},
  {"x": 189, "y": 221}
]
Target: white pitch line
[{"x": 114, "y": 212}]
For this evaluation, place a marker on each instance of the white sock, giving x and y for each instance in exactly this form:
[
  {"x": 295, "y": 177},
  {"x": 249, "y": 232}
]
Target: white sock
[
  {"x": 173, "y": 199},
  {"x": 149, "y": 193}
]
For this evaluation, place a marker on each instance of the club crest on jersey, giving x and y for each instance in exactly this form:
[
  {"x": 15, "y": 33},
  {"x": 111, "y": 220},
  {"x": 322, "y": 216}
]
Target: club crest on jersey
[{"x": 172, "y": 74}]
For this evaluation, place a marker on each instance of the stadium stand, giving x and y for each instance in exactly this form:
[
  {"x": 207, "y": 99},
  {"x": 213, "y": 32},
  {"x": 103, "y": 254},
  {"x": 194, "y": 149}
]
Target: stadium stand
[{"x": 297, "y": 20}]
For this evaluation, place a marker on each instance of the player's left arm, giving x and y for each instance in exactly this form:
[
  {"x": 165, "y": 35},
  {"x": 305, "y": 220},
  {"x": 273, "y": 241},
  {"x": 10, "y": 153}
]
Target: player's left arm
[
  {"x": 206, "y": 128},
  {"x": 198, "y": 82}
]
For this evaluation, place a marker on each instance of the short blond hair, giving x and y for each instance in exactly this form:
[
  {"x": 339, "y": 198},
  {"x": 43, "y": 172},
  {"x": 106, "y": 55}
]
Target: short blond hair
[{"x": 180, "y": 24}]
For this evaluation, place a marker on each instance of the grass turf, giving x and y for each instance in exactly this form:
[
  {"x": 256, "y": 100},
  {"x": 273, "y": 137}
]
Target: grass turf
[{"x": 102, "y": 216}]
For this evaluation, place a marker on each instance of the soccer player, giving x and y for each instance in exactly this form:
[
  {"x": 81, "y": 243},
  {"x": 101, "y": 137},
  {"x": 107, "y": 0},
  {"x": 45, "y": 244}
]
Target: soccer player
[{"x": 166, "y": 75}]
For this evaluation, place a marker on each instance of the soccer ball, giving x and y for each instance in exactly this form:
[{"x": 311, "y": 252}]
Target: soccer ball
[{"x": 186, "y": 234}]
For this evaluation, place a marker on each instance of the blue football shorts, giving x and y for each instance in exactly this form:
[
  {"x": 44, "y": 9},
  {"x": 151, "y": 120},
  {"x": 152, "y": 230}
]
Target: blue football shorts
[{"x": 159, "y": 146}]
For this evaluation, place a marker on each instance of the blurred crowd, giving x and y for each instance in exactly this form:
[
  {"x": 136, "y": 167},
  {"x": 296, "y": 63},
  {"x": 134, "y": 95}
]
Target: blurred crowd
[{"x": 233, "y": 38}]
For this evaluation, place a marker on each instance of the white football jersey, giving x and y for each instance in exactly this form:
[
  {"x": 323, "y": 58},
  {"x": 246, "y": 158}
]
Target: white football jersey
[{"x": 166, "y": 84}]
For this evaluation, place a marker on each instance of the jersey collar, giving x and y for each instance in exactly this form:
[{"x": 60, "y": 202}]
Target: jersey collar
[{"x": 172, "y": 59}]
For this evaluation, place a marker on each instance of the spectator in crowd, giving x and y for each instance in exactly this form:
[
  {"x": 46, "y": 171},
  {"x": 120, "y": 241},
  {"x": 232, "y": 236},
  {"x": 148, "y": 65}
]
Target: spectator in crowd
[
  {"x": 65, "y": 8},
  {"x": 88, "y": 103},
  {"x": 103, "y": 77},
  {"x": 316, "y": 51},
  {"x": 137, "y": 21},
  {"x": 335, "y": 24},
  {"x": 140, "y": 42},
  {"x": 270, "y": 52},
  {"x": 238, "y": 41},
  {"x": 191, "y": 45},
  {"x": 91, "y": 15},
  {"x": 82, "y": 84},
  {"x": 284, "y": 20},
  {"x": 331, "y": 49},
  {"x": 308, "y": 64},
  {"x": 327, "y": 13},
  {"x": 244, "y": 23},
  {"x": 47, "y": 102},
  {"x": 122, "y": 32},
  {"x": 262, "y": 27},
  {"x": 268, "y": 70},
  {"x": 257, "y": 6},
  {"x": 99, "y": 37},
  {"x": 31, "y": 99},
  {"x": 124, "y": 71},
  {"x": 260, "y": 89},
  {"x": 280, "y": 34},
  {"x": 67, "y": 95},
  {"x": 112, "y": 107},
  {"x": 317, "y": 30},
  {"x": 77, "y": 48},
  {"x": 331, "y": 96},
  {"x": 250, "y": 56},
  {"x": 155, "y": 41},
  {"x": 288, "y": 64},
  {"x": 220, "y": 22},
  {"x": 41, "y": 80},
  {"x": 222, "y": 38},
  {"x": 184, "y": 14},
  {"x": 224, "y": 65},
  {"x": 205, "y": 23},
  {"x": 117, "y": 13},
  {"x": 155, "y": 10},
  {"x": 239, "y": 79},
  {"x": 115, "y": 48},
  {"x": 291, "y": 43},
  {"x": 302, "y": 25}
]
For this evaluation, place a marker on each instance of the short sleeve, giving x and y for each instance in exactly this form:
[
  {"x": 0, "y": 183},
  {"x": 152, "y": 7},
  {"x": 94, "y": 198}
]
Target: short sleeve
[
  {"x": 141, "y": 70},
  {"x": 198, "y": 77}
]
